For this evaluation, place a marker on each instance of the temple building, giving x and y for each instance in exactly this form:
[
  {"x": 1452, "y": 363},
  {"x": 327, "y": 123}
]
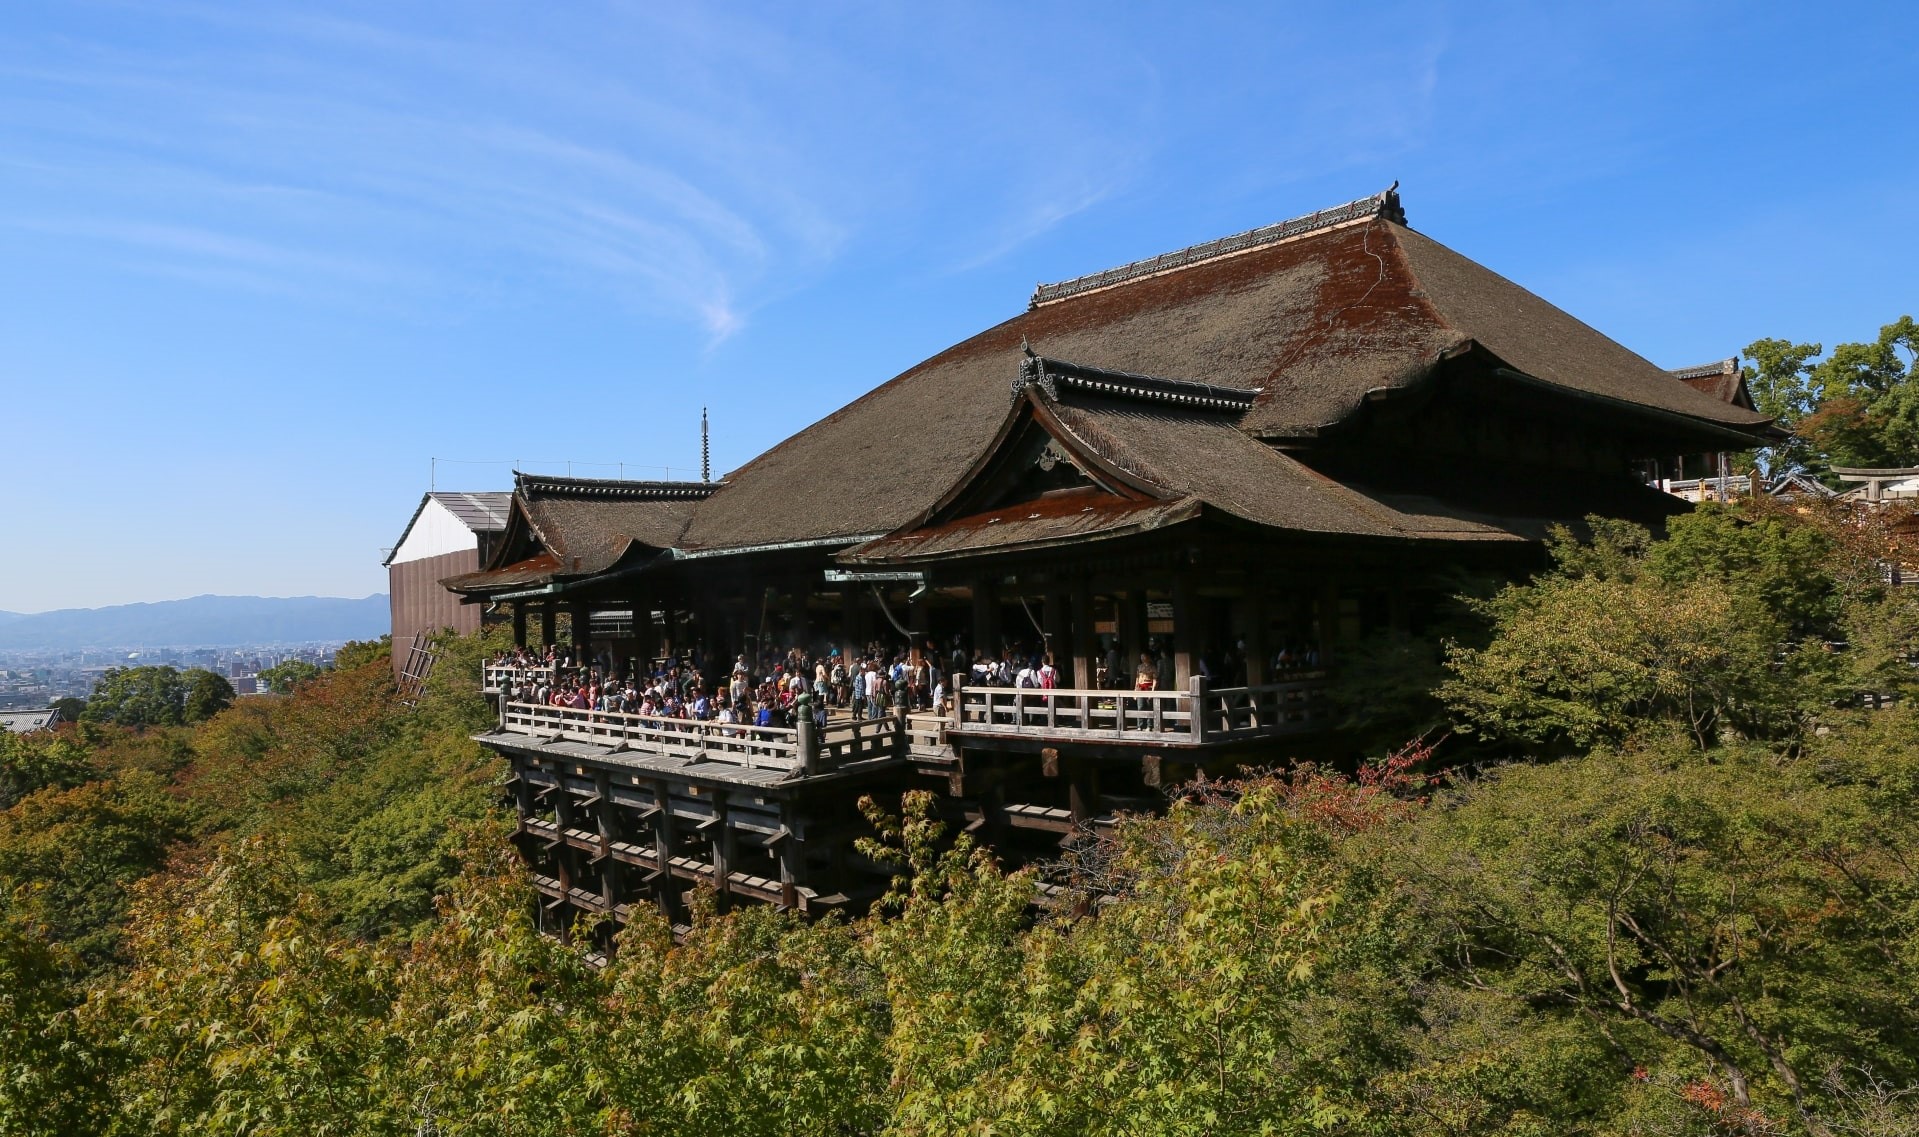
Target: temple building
[
  {"x": 1221, "y": 468},
  {"x": 449, "y": 533}
]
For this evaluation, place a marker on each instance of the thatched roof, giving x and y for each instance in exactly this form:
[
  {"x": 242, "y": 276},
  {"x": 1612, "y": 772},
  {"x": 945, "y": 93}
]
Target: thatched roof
[
  {"x": 563, "y": 528},
  {"x": 1314, "y": 321},
  {"x": 1149, "y": 464},
  {"x": 1721, "y": 379}
]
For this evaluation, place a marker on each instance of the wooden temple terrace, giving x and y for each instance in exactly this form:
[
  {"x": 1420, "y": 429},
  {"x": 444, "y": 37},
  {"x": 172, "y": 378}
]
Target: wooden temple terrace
[{"x": 1179, "y": 492}]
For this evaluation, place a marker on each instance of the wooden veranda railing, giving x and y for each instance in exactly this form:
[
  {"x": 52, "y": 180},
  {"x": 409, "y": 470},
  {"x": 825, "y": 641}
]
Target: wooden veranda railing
[
  {"x": 787, "y": 749},
  {"x": 1194, "y": 716},
  {"x": 497, "y": 677}
]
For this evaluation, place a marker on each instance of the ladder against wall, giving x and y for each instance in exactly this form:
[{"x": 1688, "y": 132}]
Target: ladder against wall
[{"x": 418, "y": 665}]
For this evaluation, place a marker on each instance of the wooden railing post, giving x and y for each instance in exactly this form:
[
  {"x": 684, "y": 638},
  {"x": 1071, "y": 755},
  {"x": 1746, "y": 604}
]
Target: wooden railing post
[{"x": 1196, "y": 714}]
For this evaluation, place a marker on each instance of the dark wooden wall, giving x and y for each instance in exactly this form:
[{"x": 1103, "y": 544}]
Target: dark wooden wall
[{"x": 421, "y": 605}]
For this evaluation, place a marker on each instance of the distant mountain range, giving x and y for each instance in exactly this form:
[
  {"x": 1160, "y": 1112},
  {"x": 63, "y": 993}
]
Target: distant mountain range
[{"x": 202, "y": 621}]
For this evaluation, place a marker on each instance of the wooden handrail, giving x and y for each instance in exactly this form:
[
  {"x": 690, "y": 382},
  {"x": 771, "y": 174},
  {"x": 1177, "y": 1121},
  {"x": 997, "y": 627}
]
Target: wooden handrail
[
  {"x": 741, "y": 744},
  {"x": 1194, "y": 716}
]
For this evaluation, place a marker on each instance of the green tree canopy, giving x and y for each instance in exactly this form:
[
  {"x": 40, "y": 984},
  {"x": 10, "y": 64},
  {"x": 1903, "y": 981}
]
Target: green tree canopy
[
  {"x": 206, "y": 695},
  {"x": 138, "y": 696},
  {"x": 282, "y": 678},
  {"x": 359, "y": 653},
  {"x": 1858, "y": 406}
]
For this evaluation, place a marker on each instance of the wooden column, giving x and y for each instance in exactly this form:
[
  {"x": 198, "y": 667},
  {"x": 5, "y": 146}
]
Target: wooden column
[
  {"x": 986, "y": 629},
  {"x": 1082, "y": 791},
  {"x": 720, "y": 838},
  {"x": 850, "y": 641},
  {"x": 800, "y": 592},
  {"x": 605, "y": 815},
  {"x": 1258, "y": 651},
  {"x": 1328, "y": 622},
  {"x": 563, "y": 853},
  {"x": 519, "y": 624},
  {"x": 646, "y": 642},
  {"x": 549, "y": 631},
  {"x": 582, "y": 633},
  {"x": 522, "y": 794},
  {"x": 1186, "y": 638},
  {"x": 1132, "y": 634},
  {"x": 663, "y": 847},
  {"x": 1059, "y": 636},
  {"x": 1085, "y": 642},
  {"x": 787, "y": 848}
]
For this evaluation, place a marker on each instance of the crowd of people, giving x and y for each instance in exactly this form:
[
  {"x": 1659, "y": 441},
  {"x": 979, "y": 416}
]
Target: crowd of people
[
  {"x": 769, "y": 689},
  {"x": 777, "y": 688}
]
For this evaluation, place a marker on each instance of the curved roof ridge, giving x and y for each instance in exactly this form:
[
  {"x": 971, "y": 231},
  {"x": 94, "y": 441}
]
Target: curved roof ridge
[
  {"x": 1051, "y": 374},
  {"x": 625, "y": 489},
  {"x": 1382, "y": 204}
]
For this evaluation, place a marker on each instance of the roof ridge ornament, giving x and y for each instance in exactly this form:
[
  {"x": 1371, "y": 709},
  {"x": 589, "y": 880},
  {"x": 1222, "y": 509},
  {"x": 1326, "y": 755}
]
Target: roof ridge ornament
[
  {"x": 1033, "y": 373},
  {"x": 1706, "y": 370},
  {"x": 1384, "y": 205}
]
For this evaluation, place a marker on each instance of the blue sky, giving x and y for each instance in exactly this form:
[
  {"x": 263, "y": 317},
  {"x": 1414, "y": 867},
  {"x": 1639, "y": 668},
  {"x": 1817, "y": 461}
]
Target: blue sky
[{"x": 259, "y": 263}]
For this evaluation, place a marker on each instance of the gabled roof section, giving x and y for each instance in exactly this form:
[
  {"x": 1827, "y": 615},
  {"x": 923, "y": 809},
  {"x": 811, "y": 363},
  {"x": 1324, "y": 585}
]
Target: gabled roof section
[
  {"x": 483, "y": 512},
  {"x": 1146, "y": 464},
  {"x": 564, "y": 528},
  {"x": 1722, "y": 380},
  {"x": 589, "y": 523},
  {"x": 480, "y": 512}
]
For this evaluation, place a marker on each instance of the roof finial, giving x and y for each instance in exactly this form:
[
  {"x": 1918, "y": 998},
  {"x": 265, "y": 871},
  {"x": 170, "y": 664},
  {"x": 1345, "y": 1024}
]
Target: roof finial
[
  {"x": 1389, "y": 207},
  {"x": 706, "y": 451}
]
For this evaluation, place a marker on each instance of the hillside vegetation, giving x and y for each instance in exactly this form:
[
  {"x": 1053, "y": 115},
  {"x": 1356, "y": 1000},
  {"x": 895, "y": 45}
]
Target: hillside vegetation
[{"x": 1657, "y": 874}]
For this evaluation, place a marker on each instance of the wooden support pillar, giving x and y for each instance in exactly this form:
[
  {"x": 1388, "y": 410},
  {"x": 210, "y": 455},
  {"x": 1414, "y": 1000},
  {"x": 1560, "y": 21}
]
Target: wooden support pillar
[
  {"x": 549, "y": 631},
  {"x": 519, "y": 623},
  {"x": 563, "y": 853},
  {"x": 663, "y": 848},
  {"x": 986, "y": 628},
  {"x": 606, "y": 816},
  {"x": 1329, "y": 629},
  {"x": 1132, "y": 634},
  {"x": 850, "y": 642},
  {"x": 1258, "y": 651},
  {"x": 788, "y": 851},
  {"x": 1186, "y": 637},
  {"x": 723, "y": 841},
  {"x": 522, "y": 790},
  {"x": 646, "y": 641},
  {"x": 1085, "y": 641},
  {"x": 582, "y": 633},
  {"x": 801, "y": 591},
  {"x": 1058, "y": 625},
  {"x": 1082, "y": 791}
]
